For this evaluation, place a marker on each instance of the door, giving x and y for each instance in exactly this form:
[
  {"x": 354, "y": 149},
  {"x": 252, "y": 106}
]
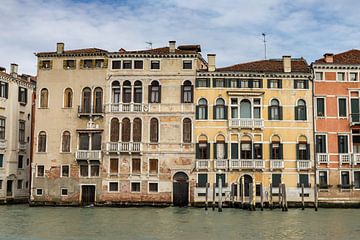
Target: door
[
  {"x": 180, "y": 189},
  {"x": 9, "y": 188},
  {"x": 87, "y": 194},
  {"x": 247, "y": 181}
]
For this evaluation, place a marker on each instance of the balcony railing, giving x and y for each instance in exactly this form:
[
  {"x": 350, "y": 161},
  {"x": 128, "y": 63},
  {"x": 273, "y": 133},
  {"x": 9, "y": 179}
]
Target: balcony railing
[
  {"x": 239, "y": 164},
  {"x": 127, "y": 107},
  {"x": 88, "y": 155},
  {"x": 22, "y": 146},
  {"x": 88, "y": 111},
  {"x": 220, "y": 164},
  {"x": 344, "y": 158},
  {"x": 322, "y": 158},
  {"x": 202, "y": 164},
  {"x": 303, "y": 164},
  {"x": 276, "y": 164},
  {"x": 354, "y": 119},
  {"x": 246, "y": 123},
  {"x": 2, "y": 144},
  {"x": 124, "y": 147},
  {"x": 356, "y": 158}
]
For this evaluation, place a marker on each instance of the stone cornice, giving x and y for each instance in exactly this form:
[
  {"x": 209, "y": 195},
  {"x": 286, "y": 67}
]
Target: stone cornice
[
  {"x": 253, "y": 75},
  {"x": 147, "y": 55},
  {"x": 336, "y": 66},
  {"x": 18, "y": 81}
]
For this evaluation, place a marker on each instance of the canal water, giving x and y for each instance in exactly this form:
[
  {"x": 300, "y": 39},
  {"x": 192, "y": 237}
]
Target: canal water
[{"x": 22, "y": 222}]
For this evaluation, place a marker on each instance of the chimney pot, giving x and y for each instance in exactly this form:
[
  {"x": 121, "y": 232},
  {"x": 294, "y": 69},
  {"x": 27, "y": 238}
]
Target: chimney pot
[
  {"x": 14, "y": 70},
  {"x": 287, "y": 63},
  {"x": 329, "y": 57},
  {"x": 172, "y": 46},
  {"x": 211, "y": 62},
  {"x": 60, "y": 48}
]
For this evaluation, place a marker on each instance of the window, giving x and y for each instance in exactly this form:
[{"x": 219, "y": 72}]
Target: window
[
  {"x": 220, "y": 149},
  {"x": 115, "y": 88},
  {"x": 86, "y": 100},
  {"x": 22, "y": 131},
  {"x": 318, "y": 76},
  {"x": 301, "y": 84},
  {"x": 257, "y": 83},
  {"x": 234, "y": 150},
  {"x": 64, "y": 191},
  {"x": 154, "y": 92},
  {"x": 135, "y": 187},
  {"x": 88, "y": 63},
  {"x": 257, "y": 108},
  {"x": 320, "y": 107},
  {"x": 343, "y": 144},
  {"x": 153, "y": 187},
  {"x": 42, "y": 142},
  {"x": 320, "y": 143},
  {"x": 84, "y": 141},
  {"x": 45, "y": 64},
  {"x": 68, "y": 94},
  {"x": 187, "y": 92},
  {"x": 223, "y": 179},
  {"x": 233, "y": 83},
  {"x": 40, "y": 171},
  {"x": 276, "y": 150},
  {"x": 114, "y": 130},
  {"x": 138, "y": 92},
  {"x": 275, "y": 110},
  {"x": 69, "y": 64},
  {"x": 113, "y": 186},
  {"x": 94, "y": 170},
  {"x": 137, "y": 130},
  {"x": 99, "y": 63},
  {"x": 1, "y": 184},
  {"x": 65, "y": 146},
  {"x": 303, "y": 151},
  {"x": 44, "y": 98},
  {"x": 136, "y": 166},
  {"x": 220, "y": 109},
  {"x": 274, "y": 83},
  {"x": 202, "y": 179},
  {"x": 353, "y": 77},
  {"x": 96, "y": 141},
  {"x": 114, "y": 166},
  {"x": 98, "y": 95},
  {"x": 345, "y": 180},
  {"x": 245, "y": 150},
  {"x": 116, "y": 64},
  {"x": 22, "y": 95},
  {"x": 203, "y": 150},
  {"x": 300, "y": 110},
  {"x": 84, "y": 170},
  {"x": 65, "y": 171},
  {"x": 153, "y": 166},
  {"x": 2, "y": 128},
  {"x": 154, "y": 130},
  {"x": 4, "y": 89},
  {"x": 138, "y": 64},
  {"x": 20, "y": 162},
  {"x": 155, "y": 64},
  {"x": 340, "y": 76},
  {"x": 304, "y": 179},
  {"x": 187, "y": 64},
  {"x": 39, "y": 192},
  {"x": 245, "y": 109},
  {"x": 323, "y": 182},
  {"x": 19, "y": 184},
  {"x": 202, "y": 109},
  {"x": 125, "y": 130},
  {"x": 187, "y": 130},
  {"x": 258, "y": 151},
  {"x": 1, "y": 160},
  {"x": 276, "y": 180},
  {"x": 219, "y": 82},
  {"x": 202, "y": 82},
  {"x": 342, "y": 107},
  {"x": 244, "y": 83},
  {"x": 357, "y": 180},
  {"x": 127, "y": 64}
]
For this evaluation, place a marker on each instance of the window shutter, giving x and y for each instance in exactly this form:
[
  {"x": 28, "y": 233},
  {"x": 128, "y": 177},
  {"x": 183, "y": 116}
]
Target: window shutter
[
  {"x": 281, "y": 151},
  {"x": 305, "y": 114},
  {"x": 159, "y": 94},
  {"x": 268, "y": 83},
  {"x": 208, "y": 82},
  {"x": 106, "y": 63},
  {"x": 214, "y": 112},
  {"x": 261, "y": 83},
  {"x": 19, "y": 94},
  {"x": 250, "y": 83},
  {"x": 238, "y": 83},
  {"x": 271, "y": 152},
  {"x": 295, "y": 84},
  {"x": 280, "y": 113},
  {"x": 64, "y": 64},
  {"x": 206, "y": 112},
  {"x": 307, "y": 151},
  {"x": 226, "y": 150},
  {"x": 182, "y": 94},
  {"x": 197, "y": 151},
  {"x": 6, "y": 90},
  {"x": 197, "y": 112},
  {"x": 208, "y": 151},
  {"x": 234, "y": 151},
  {"x": 215, "y": 151},
  {"x": 269, "y": 112},
  {"x": 280, "y": 83},
  {"x": 149, "y": 94},
  {"x": 214, "y": 82},
  {"x": 261, "y": 150},
  {"x": 196, "y": 82},
  {"x": 306, "y": 84},
  {"x": 297, "y": 152},
  {"x": 226, "y": 112},
  {"x": 82, "y": 63},
  {"x": 296, "y": 113},
  {"x": 192, "y": 93},
  {"x": 25, "y": 95},
  {"x": 51, "y": 64},
  {"x": 346, "y": 144}
]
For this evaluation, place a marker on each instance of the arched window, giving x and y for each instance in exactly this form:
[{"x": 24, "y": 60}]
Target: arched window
[
  {"x": 42, "y": 142},
  {"x": 115, "y": 92},
  {"x": 187, "y": 92},
  {"x": 127, "y": 92},
  {"x": 275, "y": 111},
  {"x": 203, "y": 148},
  {"x": 276, "y": 148},
  {"x": 65, "y": 141},
  {"x": 187, "y": 130},
  {"x": 300, "y": 110},
  {"x": 68, "y": 95},
  {"x": 220, "y": 148},
  {"x": 137, "y": 130},
  {"x": 202, "y": 109},
  {"x": 114, "y": 130},
  {"x": 302, "y": 149},
  {"x": 220, "y": 109},
  {"x": 154, "y": 130},
  {"x": 245, "y": 109},
  {"x": 98, "y": 96},
  {"x": 138, "y": 92},
  {"x": 44, "y": 94},
  {"x": 125, "y": 130},
  {"x": 86, "y": 100},
  {"x": 154, "y": 92}
]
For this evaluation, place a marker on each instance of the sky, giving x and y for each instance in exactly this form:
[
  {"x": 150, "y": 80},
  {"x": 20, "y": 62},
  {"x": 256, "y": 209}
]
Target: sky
[{"x": 230, "y": 29}]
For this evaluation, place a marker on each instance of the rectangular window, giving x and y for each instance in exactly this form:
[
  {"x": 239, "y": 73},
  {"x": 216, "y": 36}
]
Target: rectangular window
[
  {"x": 1, "y": 160},
  {"x": 19, "y": 184},
  {"x": 2, "y": 128},
  {"x": 22, "y": 131},
  {"x": 113, "y": 186},
  {"x": 22, "y": 97},
  {"x": 114, "y": 166},
  {"x": 20, "y": 161},
  {"x": 127, "y": 64},
  {"x": 301, "y": 84},
  {"x": 4, "y": 89},
  {"x": 153, "y": 187},
  {"x": 94, "y": 170},
  {"x": 96, "y": 141},
  {"x": 64, "y": 192},
  {"x": 88, "y": 63},
  {"x": 318, "y": 76},
  {"x": 45, "y": 64},
  {"x": 357, "y": 180},
  {"x": 274, "y": 83},
  {"x": 202, "y": 82},
  {"x": 323, "y": 179},
  {"x": 39, "y": 192},
  {"x": 84, "y": 140},
  {"x": 303, "y": 153},
  {"x": 304, "y": 179},
  {"x": 343, "y": 143},
  {"x": 258, "y": 151},
  {"x": 320, "y": 143},
  {"x": 84, "y": 170},
  {"x": 155, "y": 64},
  {"x": 223, "y": 179},
  {"x": 234, "y": 151},
  {"x": 219, "y": 83},
  {"x": 342, "y": 107},
  {"x": 99, "y": 63},
  {"x": 40, "y": 171},
  {"x": 69, "y": 64},
  {"x": 135, "y": 187},
  {"x": 233, "y": 83},
  {"x": 341, "y": 76},
  {"x": 353, "y": 76},
  {"x": 320, "y": 107},
  {"x": 345, "y": 180},
  {"x": 65, "y": 170},
  {"x": 202, "y": 179},
  {"x": 244, "y": 83},
  {"x": 245, "y": 152},
  {"x": 116, "y": 64},
  {"x": 276, "y": 150},
  {"x": 187, "y": 64},
  {"x": 257, "y": 83},
  {"x": 138, "y": 64},
  {"x": 276, "y": 180},
  {"x": 153, "y": 166},
  {"x": 1, "y": 183},
  {"x": 136, "y": 165}
]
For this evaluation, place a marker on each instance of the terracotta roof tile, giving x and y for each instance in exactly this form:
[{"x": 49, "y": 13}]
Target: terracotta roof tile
[
  {"x": 162, "y": 50},
  {"x": 351, "y": 57},
  {"x": 77, "y": 51}
]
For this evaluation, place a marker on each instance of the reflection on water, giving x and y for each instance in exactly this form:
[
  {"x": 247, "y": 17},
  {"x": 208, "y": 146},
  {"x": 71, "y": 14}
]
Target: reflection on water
[{"x": 22, "y": 222}]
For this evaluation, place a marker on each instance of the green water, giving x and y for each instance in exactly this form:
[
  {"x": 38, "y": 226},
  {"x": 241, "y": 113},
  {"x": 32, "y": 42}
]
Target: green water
[{"x": 22, "y": 222}]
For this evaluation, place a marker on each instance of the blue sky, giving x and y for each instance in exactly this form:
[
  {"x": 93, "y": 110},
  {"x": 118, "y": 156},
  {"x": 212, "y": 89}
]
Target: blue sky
[{"x": 231, "y": 29}]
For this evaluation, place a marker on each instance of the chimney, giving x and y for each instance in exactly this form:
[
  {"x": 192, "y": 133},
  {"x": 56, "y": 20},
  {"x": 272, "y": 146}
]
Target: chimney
[
  {"x": 287, "y": 63},
  {"x": 172, "y": 46},
  {"x": 14, "y": 70},
  {"x": 329, "y": 57},
  {"x": 211, "y": 62},
  {"x": 60, "y": 48}
]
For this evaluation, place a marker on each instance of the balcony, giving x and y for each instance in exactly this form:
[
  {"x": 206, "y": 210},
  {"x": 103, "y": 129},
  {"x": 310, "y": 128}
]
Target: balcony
[
  {"x": 127, "y": 107},
  {"x": 241, "y": 164},
  {"x": 2, "y": 144},
  {"x": 354, "y": 119},
  {"x": 322, "y": 158},
  {"x": 246, "y": 123},
  {"x": 117, "y": 147},
  {"x": 276, "y": 164},
  {"x": 91, "y": 111},
  {"x": 344, "y": 158},
  {"x": 220, "y": 164},
  {"x": 202, "y": 164},
  {"x": 303, "y": 164},
  {"x": 22, "y": 146},
  {"x": 356, "y": 158},
  {"x": 88, "y": 155}
]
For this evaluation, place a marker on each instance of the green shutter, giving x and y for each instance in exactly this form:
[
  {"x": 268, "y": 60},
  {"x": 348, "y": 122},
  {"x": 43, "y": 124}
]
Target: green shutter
[
  {"x": 281, "y": 151},
  {"x": 182, "y": 94},
  {"x": 214, "y": 83},
  {"x": 208, "y": 82},
  {"x": 226, "y": 150},
  {"x": 197, "y": 112},
  {"x": 206, "y": 112},
  {"x": 226, "y": 112},
  {"x": 261, "y": 83},
  {"x": 280, "y": 113},
  {"x": 296, "y": 113},
  {"x": 269, "y": 112},
  {"x": 196, "y": 82},
  {"x": 208, "y": 151},
  {"x": 295, "y": 84},
  {"x": 214, "y": 112},
  {"x": 306, "y": 84},
  {"x": 234, "y": 151},
  {"x": 297, "y": 152},
  {"x": 270, "y": 151},
  {"x": 280, "y": 83},
  {"x": 159, "y": 94},
  {"x": 250, "y": 84},
  {"x": 215, "y": 151},
  {"x": 197, "y": 151},
  {"x": 6, "y": 90},
  {"x": 307, "y": 151}
]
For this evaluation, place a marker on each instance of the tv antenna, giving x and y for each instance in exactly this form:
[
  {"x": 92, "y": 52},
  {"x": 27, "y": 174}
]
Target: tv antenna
[
  {"x": 150, "y": 44},
  {"x": 264, "y": 36}
]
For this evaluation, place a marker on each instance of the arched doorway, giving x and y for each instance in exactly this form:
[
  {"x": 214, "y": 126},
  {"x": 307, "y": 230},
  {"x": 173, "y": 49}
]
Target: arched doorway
[
  {"x": 180, "y": 189},
  {"x": 247, "y": 180}
]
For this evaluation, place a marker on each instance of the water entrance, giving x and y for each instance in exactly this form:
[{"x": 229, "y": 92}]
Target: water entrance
[
  {"x": 87, "y": 194},
  {"x": 180, "y": 189}
]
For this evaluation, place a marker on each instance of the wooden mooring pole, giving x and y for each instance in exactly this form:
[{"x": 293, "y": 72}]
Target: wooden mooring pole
[
  {"x": 250, "y": 196},
  {"x": 253, "y": 203},
  {"x": 214, "y": 194},
  {"x": 302, "y": 197},
  {"x": 220, "y": 195},
  {"x": 242, "y": 193},
  {"x": 271, "y": 197},
  {"x": 233, "y": 194},
  {"x": 280, "y": 196},
  {"x": 261, "y": 197},
  {"x": 206, "y": 196},
  {"x": 285, "y": 198},
  {"x": 316, "y": 197}
]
